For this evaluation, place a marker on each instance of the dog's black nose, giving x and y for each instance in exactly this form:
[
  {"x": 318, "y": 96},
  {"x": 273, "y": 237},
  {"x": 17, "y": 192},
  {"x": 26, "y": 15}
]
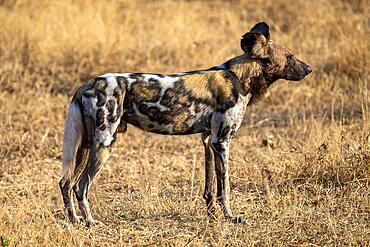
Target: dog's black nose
[{"x": 308, "y": 69}]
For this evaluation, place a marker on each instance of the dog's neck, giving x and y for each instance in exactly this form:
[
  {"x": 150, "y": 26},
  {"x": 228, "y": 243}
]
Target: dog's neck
[{"x": 250, "y": 74}]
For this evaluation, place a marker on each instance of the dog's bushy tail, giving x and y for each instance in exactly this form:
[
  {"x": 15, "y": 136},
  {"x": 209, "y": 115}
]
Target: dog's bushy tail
[{"x": 73, "y": 134}]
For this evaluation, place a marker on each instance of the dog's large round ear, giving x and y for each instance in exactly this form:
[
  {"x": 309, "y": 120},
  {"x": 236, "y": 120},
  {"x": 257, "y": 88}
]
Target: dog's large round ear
[
  {"x": 254, "y": 44},
  {"x": 262, "y": 28}
]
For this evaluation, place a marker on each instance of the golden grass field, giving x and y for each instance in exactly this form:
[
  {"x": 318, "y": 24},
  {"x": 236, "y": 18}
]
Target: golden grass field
[{"x": 300, "y": 164}]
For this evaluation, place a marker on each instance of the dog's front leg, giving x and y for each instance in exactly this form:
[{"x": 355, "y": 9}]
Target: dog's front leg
[
  {"x": 222, "y": 129},
  {"x": 221, "y": 151},
  {"x": 223, "y": 126},
  {"x": 210, "y": 175}
]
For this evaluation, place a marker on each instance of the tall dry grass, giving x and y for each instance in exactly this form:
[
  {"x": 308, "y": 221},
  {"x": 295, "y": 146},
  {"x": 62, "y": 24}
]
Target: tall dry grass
[{"x": 300, "y": 164}]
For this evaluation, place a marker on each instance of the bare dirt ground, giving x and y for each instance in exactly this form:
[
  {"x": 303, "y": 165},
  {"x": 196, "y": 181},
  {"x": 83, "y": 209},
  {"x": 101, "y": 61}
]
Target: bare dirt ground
[{"x": 300, "y": 165}]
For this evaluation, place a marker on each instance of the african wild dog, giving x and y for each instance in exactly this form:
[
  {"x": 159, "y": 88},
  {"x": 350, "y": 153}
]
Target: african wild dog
[{"x": 211, "y": 102}]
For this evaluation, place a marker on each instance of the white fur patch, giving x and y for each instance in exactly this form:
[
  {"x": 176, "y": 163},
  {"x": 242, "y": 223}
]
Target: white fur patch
[
  {"x": 73, "y": 132},
  {"x": 90, "y": 108},
  {"x": 232, "y": 117}
]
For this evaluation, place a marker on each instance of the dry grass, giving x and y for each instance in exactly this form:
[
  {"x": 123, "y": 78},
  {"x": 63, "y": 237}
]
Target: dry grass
[{"x": 308, "y": 185}]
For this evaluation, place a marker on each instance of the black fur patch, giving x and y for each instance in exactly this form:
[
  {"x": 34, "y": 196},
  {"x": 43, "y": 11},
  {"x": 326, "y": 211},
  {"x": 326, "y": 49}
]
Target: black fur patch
[
  {"x": 102, "y": 127},
  {"x": 154, "y": 81},
  {"x": 122, "y": 82},
  {"x": 119, "y": 110},
  {"x": 110, "y": 106},
  {"x": 112, "y": 118},
  {"x": 136, "y": 76},
  {"x": 117, "y": 92},
  {"x": 262, "y": 28},
  {"x": 224, "y": 133},
  {"x": 102, "y": 98},
  {"x": 99, "y": 117},
  {"x": 156, "y": 115}
]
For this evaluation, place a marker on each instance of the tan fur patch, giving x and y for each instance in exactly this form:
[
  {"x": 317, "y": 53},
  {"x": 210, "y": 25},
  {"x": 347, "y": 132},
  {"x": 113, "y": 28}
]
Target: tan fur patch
[
  {"x": 249, "y": 71},
  {"x": 182, "y": 99},
  {"x": 221, "y": 85},
  {"x": 100, "y": 85},
  {"x": 145, "y": 92},
  {"x": 208, "y": 85},
  {"x": 180, "y": 118},
  {"x": 197, "y": 84},
  {"x": 245, "y": 68},
  {"x": 179, "y": 121}
]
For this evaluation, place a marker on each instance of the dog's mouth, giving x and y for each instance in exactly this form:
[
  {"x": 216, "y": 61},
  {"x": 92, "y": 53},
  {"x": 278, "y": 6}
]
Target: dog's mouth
[{"x": 302, "y": 73}]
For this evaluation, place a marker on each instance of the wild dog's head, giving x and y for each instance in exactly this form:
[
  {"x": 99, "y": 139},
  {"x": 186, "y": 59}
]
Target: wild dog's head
[{"x": 277, "y": 61}]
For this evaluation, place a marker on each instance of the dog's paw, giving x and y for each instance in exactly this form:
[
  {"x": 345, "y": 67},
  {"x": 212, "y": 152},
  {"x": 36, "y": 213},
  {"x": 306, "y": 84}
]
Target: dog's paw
[
  {"x": 76, "y": 219},
  {"x": 238, "y": 220},
  {"x": 235, "y": 220},
  {"x": 92, "y": 222}
]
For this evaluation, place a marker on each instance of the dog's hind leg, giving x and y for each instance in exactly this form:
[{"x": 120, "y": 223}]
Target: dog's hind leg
[
  {"x": 67, "y": 183},
  {"x": 66, "y": 189},
  {"x": 97, "y": 157},
  {"x": 210, "y": 175},
  {"x": 103, "y": 108}
]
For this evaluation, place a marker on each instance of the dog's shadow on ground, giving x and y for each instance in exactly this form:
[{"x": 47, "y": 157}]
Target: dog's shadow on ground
[{"x": 176, "y": 217}]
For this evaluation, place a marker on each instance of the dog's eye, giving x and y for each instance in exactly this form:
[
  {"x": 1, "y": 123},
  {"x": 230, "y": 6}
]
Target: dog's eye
[{"x": 265, "y": 61}]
